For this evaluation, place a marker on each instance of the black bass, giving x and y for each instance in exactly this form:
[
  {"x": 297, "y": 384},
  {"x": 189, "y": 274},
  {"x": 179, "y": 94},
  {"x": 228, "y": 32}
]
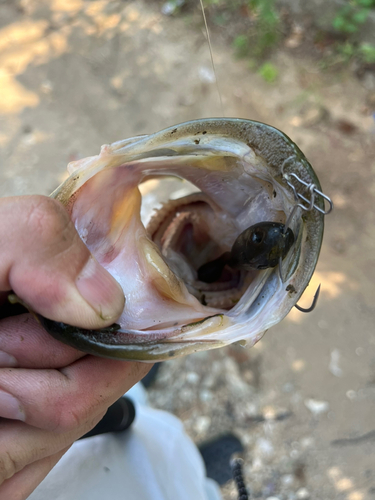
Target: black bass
[{"x": 205, "y": 270}]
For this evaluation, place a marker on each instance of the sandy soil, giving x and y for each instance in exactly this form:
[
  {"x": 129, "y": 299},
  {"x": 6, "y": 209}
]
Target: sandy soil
[{"x": 76, "y": 74}]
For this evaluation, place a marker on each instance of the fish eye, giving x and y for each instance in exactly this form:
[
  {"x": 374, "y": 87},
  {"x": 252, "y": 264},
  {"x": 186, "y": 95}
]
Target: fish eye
[
  {"x": 261, "y": 246},
  {"x": 257, "y": 236}
]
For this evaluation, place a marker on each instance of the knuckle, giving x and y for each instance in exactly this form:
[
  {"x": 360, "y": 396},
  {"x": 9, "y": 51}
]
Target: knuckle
[
  {"x": 8, "y": 466},
  {"x": 70, "y": 417},
  {"x": 46, "y": 219},
  {"x": 69, "y": 421},
  {"x": 76, "y": 418}
]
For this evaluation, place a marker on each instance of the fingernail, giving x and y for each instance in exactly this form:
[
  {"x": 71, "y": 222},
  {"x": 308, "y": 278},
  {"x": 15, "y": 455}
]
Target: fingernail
[
  {"x": 101, "y": 290},
  {"x": 10, "y": 407},
  {"x": 7, "y": 360}
]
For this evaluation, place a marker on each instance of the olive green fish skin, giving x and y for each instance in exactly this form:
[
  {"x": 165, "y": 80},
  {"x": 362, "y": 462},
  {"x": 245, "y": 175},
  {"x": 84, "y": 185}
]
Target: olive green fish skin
[
  {"x": 280, "y": 154},
  {"x": 89, "y": 341}
]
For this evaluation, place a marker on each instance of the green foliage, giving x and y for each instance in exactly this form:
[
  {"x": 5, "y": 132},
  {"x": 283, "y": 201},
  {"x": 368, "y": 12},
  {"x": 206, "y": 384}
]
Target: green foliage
[
  {"x": 266, "y": 11},
  {"x": 260, "y": 29},
  {"x": 241, "y": 45},
  {"x": 263, "y": 34},
  {"x": 348, "y": 21},
  {"x": 267, "y": 29},
  {"x": 352, "y": 15},
  {"x": 225, "y": 4},
  {"x": 347, "y": 51},
  {"x": 207, "y": 3},
  {"x": 367, "y": 52},
  {"x": 268, "y": 72}
]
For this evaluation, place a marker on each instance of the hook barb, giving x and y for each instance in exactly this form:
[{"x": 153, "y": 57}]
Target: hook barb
[{"x": 314, "y": 302}]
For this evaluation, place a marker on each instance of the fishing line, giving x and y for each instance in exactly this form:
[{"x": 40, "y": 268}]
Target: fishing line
[{"x": 212, "y": 57}]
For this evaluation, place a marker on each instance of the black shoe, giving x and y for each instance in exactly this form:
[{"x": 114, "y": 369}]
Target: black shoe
[
  {"x": 217, "y": 455},
  {"x": 118, "y": 418}
]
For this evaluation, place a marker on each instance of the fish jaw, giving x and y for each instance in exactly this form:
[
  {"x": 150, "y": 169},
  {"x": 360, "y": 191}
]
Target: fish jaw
[
  {"x": 238, "y": 165},
  {"x": 113, "y": 232}
]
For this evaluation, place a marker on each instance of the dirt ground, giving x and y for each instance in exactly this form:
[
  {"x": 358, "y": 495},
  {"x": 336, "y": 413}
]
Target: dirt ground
[{"x": 76, "y": 74}]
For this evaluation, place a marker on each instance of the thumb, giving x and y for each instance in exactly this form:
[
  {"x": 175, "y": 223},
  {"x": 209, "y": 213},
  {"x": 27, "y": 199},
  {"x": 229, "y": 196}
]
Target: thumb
[{"x": 44, "y": 261}]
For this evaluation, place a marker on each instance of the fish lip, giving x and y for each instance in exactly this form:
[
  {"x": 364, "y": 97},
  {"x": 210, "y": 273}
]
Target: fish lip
[
  {"x": 149, "y": 352},
  {"x": 263, "y": 139}
]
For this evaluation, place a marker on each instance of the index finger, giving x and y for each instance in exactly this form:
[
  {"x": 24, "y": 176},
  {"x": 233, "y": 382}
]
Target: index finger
[{"x": 48, "y": 266}]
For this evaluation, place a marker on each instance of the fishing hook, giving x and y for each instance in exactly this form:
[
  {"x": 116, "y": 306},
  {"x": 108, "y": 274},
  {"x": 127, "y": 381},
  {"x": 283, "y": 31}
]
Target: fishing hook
[{"x": 314, "y": 302}]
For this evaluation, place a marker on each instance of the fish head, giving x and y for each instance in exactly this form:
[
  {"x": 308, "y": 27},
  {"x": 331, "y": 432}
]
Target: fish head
[{"x": 154, "y": 210}]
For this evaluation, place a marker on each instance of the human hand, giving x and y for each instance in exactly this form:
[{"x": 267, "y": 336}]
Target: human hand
[{"x": 50, "y": 394}]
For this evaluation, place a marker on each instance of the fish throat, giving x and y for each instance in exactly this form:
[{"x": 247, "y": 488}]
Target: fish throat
[{"x": 188, "y": 235}]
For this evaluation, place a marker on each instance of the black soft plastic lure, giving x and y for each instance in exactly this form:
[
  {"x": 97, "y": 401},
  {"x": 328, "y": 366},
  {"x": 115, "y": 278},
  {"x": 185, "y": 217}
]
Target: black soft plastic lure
[{"x": 258, "y": 247}]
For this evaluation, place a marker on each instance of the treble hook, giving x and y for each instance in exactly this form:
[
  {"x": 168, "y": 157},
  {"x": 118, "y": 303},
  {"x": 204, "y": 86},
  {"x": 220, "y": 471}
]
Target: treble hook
[{"x": 314, "y": 302}]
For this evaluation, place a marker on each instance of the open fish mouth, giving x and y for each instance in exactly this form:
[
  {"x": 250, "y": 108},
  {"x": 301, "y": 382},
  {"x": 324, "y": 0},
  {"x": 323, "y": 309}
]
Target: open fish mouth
[{"x": 198, "y": 260}]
